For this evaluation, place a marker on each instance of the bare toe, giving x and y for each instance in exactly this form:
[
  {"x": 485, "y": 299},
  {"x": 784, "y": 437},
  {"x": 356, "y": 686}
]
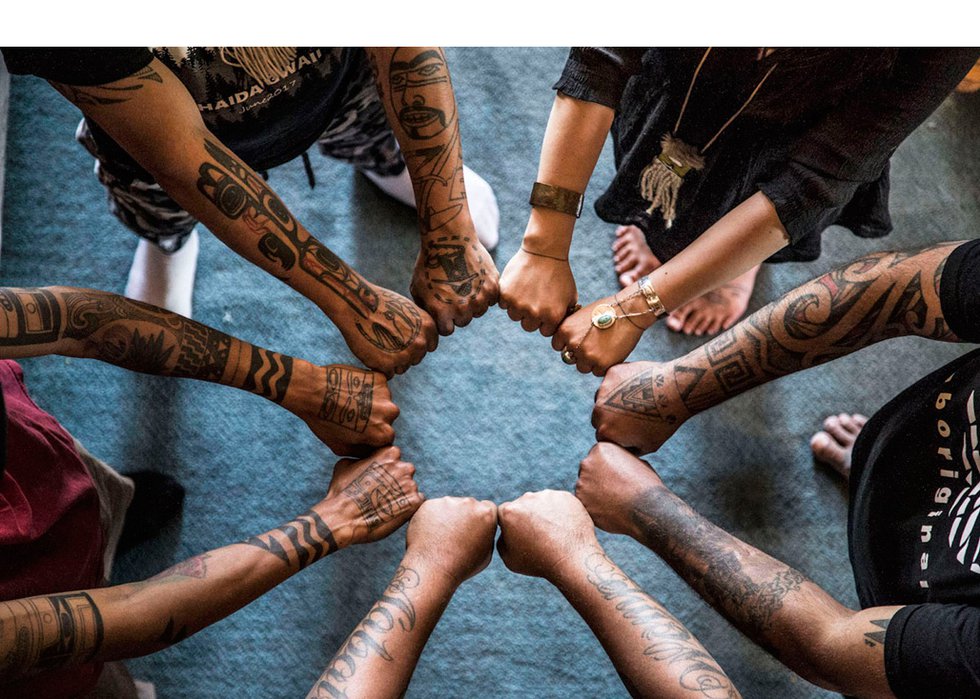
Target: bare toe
[{"x": 828, "y": 451}]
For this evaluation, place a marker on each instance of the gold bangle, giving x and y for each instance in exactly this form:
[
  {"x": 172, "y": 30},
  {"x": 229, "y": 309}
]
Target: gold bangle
[
  {"x": 652, "y": 297},
  {"x": 556, "y": 198}
]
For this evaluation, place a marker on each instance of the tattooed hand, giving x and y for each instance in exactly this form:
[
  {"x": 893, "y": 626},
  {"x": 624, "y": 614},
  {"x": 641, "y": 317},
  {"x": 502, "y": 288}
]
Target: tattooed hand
[
  {"x": 347, "y": 408},
  {"x": 455, "y": 279},
  {"x": 537, "y": 291},
  {"x": 454, "y": 535},
  {"x": 538, "y": 531},
  {"x": 609, "y": 481},
  {"x": 641, "y": 404},
  {"x": 372, "y": 497},
  {"x": 391, "y": 337},
  {"x": 595, "y": 349}
]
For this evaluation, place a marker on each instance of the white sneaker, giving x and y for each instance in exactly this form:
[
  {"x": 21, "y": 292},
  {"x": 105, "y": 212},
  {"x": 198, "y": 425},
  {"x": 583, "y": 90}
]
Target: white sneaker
[
  {"x": 479, "y": 194},
  {"x": 165, "y": 279}
]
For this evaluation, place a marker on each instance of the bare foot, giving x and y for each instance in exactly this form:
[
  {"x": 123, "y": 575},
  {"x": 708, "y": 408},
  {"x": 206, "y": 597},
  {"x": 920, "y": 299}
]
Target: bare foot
[
  {"x": 717, "y": 310},
  {"x": 833, "y": 444},
  {"x": 632, "y": 256}
]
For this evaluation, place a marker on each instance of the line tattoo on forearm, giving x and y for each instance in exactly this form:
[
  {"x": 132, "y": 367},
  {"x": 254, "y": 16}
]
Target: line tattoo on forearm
[
  {"x": 666, "y": 638},
  {"x": 393, "y": 612},
  {"x": 48, "y": 633},
  {"x": 838, "y": 313},
  {"x": 378, "y": 496},
  {"x": 269, "y": 374},
  {"x": 713, "y": 563},
  {"x": 107, "y": 95},
  {"x": 348, "y": 398},
  {"x": 299, "y": 543}
]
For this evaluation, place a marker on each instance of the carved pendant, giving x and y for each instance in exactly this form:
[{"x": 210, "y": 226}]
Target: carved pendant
[{"x": 603, "y": 316}]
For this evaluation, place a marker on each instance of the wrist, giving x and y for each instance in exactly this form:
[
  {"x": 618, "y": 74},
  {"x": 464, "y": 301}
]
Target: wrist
[
  {"x": 304, "y": 393},
  {"x": 647, "y": 513},
  {"x": 430, "y": 570},
  {"x": 342, "y": 528},
  {"x": 549, "y": 232},
  {"x": 632, "y": 303}
]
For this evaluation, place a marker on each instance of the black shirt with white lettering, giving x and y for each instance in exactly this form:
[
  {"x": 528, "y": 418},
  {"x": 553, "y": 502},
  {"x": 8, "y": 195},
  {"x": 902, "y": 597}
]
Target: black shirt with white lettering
[{"x": 914, "y": 524}]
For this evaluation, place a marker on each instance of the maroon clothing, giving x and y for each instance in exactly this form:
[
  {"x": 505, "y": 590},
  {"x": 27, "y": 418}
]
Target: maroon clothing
[{"x": 50, "y": 530}]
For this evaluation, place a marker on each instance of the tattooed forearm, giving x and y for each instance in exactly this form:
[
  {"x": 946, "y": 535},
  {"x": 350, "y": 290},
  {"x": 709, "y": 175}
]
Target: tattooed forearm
[
  {"x": 107, "y": 95},
  {"x": 195, "y": 567},
  {"x": 377, "y": 495},
  {"x": 135, "y": 336},
  {"x": 744, "y": 584},
  {"x": 393, "y": 613},
  {"x": 348, "y": 398},
  {"x": 299, "y": 543},
  {"x": 877, "y": 637},
  {"x": 666, "y": 639},
  {"x": 240, "y": 194},
  {"x": 47, "y": 633},
  {"x": 877, "y": 297}
]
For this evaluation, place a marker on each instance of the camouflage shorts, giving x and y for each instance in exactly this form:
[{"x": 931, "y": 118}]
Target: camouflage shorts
[{"x": 359, "y": 134}]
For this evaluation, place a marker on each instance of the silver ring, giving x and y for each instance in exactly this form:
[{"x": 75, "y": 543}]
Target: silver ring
[{"x": 567, "y": 356}]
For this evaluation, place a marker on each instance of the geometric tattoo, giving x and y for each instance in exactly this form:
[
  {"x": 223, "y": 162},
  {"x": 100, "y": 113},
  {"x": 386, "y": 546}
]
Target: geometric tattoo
[
  {"x": 377, "y": 495},
  {"x": 306, "y": 540},
  {"x": 47, "y": 633},
  {"x": 269, "y": 374},
  {"x": 31, "y": 317},
  {"x": 873, "y": 638},
  {"x": 347, "y": 400}
]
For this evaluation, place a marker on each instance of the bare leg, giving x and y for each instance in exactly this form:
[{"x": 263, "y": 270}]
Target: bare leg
[
  {"x": 833, "y": 444},
  {"x": 165, "y": 279},
  {"x": 632, "y": 256},
  {"x": 717, "y": 310}
]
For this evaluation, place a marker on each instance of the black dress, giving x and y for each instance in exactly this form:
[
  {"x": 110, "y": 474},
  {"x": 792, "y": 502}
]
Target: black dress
[{"x": 816, "y": 139}]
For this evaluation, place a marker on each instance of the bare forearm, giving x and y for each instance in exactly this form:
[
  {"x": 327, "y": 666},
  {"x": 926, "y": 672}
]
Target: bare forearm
[
  {"x": 879, "y": 296},
  {"x": 655, "y": 655},
  {"x": 55, "y": 631},
  {"x": 378, "y": 658},
  {"x": 137, "y": 336},
  {"x": 573, "y": 140}
]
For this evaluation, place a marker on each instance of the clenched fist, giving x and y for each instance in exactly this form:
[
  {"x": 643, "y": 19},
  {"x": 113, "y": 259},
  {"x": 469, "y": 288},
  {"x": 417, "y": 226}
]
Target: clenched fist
[{"x": 454, "y": 535}]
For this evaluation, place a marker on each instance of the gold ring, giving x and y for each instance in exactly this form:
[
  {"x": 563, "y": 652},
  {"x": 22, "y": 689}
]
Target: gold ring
[{"x": 567, "y": 356}]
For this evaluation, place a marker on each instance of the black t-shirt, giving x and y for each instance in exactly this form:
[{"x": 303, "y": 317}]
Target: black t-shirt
[
  {"x": 914, "y": 524},
  {"x": 265, "y": 115}
]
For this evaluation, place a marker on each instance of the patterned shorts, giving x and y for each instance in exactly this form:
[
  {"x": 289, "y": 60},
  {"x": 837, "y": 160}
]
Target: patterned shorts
[{"x": 359, "y": 135}]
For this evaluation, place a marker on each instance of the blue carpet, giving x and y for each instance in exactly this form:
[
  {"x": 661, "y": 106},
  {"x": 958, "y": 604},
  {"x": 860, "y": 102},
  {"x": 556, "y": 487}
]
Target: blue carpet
[{"x": 493, "y": 413}]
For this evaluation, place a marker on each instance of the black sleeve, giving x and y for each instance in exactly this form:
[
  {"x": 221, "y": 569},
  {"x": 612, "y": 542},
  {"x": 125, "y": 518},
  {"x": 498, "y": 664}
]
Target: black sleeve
[
  {"x": 77, "y": 66},
  {"x": 852, "y": 144},
  {"x": 599, "y": 75},
  {"x": 931, "y": 651},
  {"x": 959, "y": 291}
]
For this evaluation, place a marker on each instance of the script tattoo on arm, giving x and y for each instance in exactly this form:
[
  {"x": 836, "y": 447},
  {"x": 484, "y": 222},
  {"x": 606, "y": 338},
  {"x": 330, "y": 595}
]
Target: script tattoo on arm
[
  {"x": 377, "y": 495},
  {"x": 393, "y": 613},
  {"x": 109, "y": 94},
  {"x": 348, "y": 398},
  {"x": 299, "y": 543},
  {"x": 47, "y": 633},
  {"x": 748, "y": 587},
  {"x": 666, "y": 638},
  {"x": 879, "y": 296}
]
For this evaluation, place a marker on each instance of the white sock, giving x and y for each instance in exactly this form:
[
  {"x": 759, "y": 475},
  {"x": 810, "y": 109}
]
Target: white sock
[
  {"x": 162, "y": 279},
  {"x": 479, "y": 195}
]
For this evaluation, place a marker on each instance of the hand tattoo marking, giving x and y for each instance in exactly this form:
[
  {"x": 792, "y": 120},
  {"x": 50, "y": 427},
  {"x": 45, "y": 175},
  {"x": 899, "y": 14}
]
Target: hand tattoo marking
[
  {"x": 448, "y": 254},
  {"x": 378, "y": 496},
  {"x": 307, "y": 537},
  {"x": 642, "y": 396},
  {"x": 269, "y": 374},
  {"x": 348, "y": 399},
  {"x": 668, "y": 641},
  {"x": 404, "y": 325},
  {"x": 393, "y": 611}
]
